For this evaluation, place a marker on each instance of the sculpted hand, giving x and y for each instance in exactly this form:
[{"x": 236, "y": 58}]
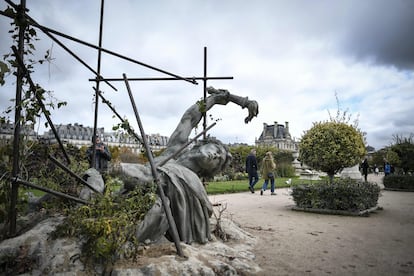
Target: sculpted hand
[{"x": 253, "y": 108}]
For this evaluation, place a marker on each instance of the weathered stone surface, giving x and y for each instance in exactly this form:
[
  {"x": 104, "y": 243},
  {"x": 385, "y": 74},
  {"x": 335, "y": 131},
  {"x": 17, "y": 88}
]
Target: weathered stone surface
[
  {"x": 36, "y": 253},
  {"x": 46, "y": 256},
  {"x": 351, "y": 172},
  {"x": 213, "y": 258},
  {"x": 95, "y": 180}
]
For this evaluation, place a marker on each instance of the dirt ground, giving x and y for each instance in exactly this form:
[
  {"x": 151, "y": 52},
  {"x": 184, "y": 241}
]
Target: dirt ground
[{"x": 298, "y": 243}]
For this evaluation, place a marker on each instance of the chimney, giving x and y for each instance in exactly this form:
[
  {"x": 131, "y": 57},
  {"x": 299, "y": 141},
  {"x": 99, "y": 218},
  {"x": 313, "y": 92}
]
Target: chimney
[
  {"x": 287, "y": 133},
  {"x": 275, "y": 130},
  {"x": 264, "y": 129}
]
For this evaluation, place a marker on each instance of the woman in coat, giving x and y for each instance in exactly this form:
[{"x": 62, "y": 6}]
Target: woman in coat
[{"x": 268, "y": 172}]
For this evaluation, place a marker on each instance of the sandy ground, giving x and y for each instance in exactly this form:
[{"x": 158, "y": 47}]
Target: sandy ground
[{"x": 298, "y": 243}]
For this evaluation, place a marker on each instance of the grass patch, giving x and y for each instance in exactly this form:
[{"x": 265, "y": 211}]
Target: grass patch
[
  {"x": 229, "y": 187},
  {"x": 237, "y": 186},
  {"x": 35, "y": 192}
]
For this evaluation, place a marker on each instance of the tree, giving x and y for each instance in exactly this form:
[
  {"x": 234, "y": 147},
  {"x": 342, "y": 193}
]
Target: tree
[
  {"x": 378, "y": 157},
  {"x": 392, "y": 157},
  {"x": 239, "y": 154},
  {"x": 332, "y": 146},
  {"x": 404, "y": 148}
]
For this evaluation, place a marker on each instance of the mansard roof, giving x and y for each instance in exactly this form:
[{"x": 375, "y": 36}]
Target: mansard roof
[{"x": 275, "y": 131}]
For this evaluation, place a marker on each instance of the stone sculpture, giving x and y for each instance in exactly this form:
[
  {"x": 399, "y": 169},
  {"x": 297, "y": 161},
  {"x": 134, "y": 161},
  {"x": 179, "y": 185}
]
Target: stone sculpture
[{"x": 180, "y": 177}]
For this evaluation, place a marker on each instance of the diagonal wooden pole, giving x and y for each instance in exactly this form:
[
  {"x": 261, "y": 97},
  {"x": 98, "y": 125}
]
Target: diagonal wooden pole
[
  {"x": 50, "y": 191},
  {"x": 205, "y": 92},
  {"x": 108, "y": 103},
  {"x": 98, "y": 70},
  {"x": 167, "y": 209}
]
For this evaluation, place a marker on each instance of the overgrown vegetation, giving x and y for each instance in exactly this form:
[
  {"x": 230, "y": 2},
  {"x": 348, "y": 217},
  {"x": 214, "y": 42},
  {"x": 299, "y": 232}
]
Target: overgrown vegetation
[
  {"x": 108, "y": 224},
  {"x": 37, "y": 168},
  {"x": 34, "y": 100},
  {"x": 341, "y": 194}
]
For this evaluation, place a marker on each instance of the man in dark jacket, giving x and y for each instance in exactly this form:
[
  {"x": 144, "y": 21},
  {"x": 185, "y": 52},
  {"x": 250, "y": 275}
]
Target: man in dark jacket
[
  {"x": 102, "y": 155},
  {"x": 251, "y": 169},
  {"x": 365, "y": 167}
]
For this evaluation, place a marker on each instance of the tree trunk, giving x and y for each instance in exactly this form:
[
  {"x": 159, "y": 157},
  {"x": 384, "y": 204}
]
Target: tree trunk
[{"x": 331, "y": 178}]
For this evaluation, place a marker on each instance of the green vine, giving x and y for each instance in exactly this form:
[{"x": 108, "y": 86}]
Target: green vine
[
  {"x": 202, "y": 106},
  {"x": 123, "y": 128}
]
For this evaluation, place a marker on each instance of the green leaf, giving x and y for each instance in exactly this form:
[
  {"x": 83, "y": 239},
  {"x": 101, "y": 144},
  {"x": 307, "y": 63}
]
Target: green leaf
[
  {"x": 61, "y": 104},
  {"x": 32, "y": 32}
]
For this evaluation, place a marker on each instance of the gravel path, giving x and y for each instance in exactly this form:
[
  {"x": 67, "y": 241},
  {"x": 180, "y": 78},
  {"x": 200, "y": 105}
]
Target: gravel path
[{"x": 298, "y": 243}]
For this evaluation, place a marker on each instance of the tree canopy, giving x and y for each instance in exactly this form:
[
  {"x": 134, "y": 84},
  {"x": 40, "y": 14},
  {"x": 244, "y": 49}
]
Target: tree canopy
[
  {"x": 331, "y": 146},
  {"x": 404, "y": 149}
]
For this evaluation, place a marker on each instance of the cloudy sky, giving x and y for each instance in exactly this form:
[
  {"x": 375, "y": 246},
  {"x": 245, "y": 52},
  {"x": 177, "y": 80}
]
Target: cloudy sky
[{"x": 295, "y": 58}]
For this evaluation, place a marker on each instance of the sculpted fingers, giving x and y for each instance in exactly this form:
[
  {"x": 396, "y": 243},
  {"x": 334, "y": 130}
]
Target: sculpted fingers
[{"x": 253, "y": 108}]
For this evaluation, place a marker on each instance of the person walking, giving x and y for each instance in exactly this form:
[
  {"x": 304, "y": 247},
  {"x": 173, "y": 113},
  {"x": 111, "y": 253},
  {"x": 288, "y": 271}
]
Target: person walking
[
  {"x": 268, "y": 172},
  {"x": 251, "y": 169},
  {"x": 376, "y": 170},
  {"x": 365, "y": 167},
  {"x": 387, "y": 169}
]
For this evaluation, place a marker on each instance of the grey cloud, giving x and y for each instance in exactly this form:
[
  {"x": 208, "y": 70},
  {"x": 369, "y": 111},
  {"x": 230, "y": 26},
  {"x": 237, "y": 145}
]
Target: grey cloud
[
  {"x": 382, "y": 32},
  {"x": 403, "y": 120}
]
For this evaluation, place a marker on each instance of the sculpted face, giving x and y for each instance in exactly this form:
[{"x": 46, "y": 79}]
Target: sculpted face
[
  {"x": 207, "y": 159},
  {"x": 211, "y": 156}
]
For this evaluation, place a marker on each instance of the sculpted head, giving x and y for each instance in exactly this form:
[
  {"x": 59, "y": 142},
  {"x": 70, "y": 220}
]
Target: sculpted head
[{"x": 206, "y": 158}]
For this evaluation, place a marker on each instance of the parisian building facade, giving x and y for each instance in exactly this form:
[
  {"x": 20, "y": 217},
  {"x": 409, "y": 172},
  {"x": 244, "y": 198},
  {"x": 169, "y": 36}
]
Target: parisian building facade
[
  {"x": 79, "y": 135},
  {"x": 277, "y": 135}
]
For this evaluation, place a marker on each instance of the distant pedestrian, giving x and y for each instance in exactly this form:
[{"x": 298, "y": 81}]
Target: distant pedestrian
[
  {"x": 102, "y": 155},
  {"x": 376, "y": 170},
  {"x": 268, "y": 173},
  {"x": 251, "y": 169},
  {"x": 387, "y": 169},
  {"x": 365, "y": 167}
]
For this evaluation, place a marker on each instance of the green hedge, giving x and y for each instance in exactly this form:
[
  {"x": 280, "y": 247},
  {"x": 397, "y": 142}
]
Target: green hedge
[
  {"x": 285, "y": 170},
  {"x": 342, "y": 194},
  {"x": 403, "y": 182}
]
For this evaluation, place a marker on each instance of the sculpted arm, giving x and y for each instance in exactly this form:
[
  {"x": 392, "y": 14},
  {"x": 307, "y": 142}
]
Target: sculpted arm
[{"x": 194, "y": 114}]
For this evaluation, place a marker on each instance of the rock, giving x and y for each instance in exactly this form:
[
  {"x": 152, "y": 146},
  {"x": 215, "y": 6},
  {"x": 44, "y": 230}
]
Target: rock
[
  {"x": 213, "y": 258},
  {"x": 351, "y": 172},
  {"x": 95, "y": 180},
  {"x": 35, "y": 253}
]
